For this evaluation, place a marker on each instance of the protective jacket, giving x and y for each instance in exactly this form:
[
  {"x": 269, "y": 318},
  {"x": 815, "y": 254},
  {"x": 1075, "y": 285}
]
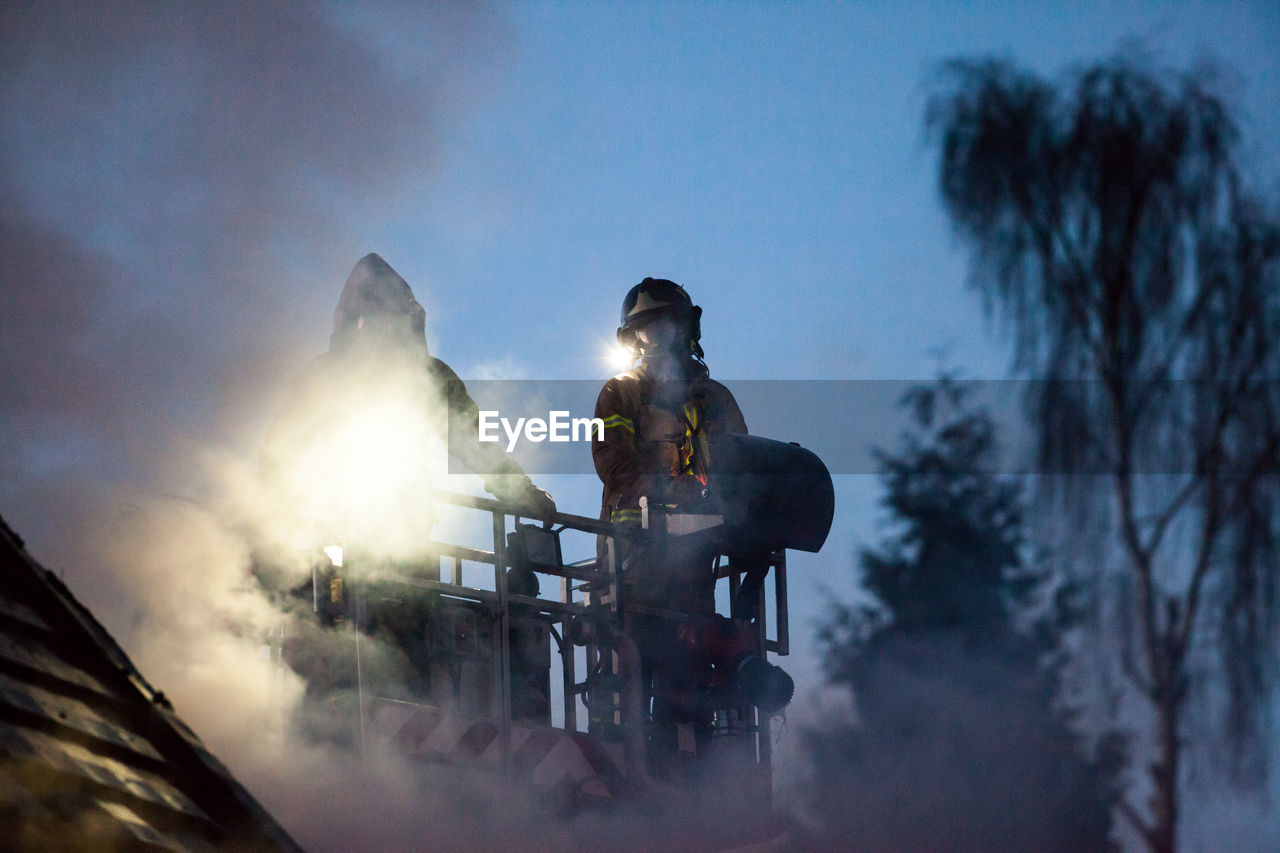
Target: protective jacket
[
  {"x": 657, "y": 438},
  {"x": 656, "y": 445}
]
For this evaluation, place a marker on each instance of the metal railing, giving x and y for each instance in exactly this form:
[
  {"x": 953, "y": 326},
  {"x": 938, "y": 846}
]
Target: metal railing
[{"x": 589, "y": 594}]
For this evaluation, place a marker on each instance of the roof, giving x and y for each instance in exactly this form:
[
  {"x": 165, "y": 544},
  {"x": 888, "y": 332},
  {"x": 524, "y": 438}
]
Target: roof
[{"x": 91, "y": 756}]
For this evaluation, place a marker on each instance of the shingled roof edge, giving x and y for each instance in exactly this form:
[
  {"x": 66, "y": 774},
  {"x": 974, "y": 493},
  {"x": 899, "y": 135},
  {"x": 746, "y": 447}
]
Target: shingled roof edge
[{"x": 255, "y": 823}]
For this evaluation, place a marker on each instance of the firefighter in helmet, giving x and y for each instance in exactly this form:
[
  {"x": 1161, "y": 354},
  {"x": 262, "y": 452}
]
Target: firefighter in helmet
[
  {"x": 659, "y": 418},
  {"x": 377, "y": 354},
  {"x": 371, "y": 402}
]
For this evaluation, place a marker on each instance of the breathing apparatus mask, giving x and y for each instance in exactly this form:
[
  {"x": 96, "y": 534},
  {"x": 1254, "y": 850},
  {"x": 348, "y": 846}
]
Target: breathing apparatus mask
[{"x": 650, "y": 304}]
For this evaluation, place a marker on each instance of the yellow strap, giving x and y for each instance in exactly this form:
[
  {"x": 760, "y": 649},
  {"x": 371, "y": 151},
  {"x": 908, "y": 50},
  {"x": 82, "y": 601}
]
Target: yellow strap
[
  {"x": 686, "y": 444},
  {"x": 691, "y": 415}
]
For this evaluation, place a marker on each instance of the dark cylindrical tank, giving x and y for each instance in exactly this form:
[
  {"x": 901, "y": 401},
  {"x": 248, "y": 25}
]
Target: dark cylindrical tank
[{"x": 773, "y": 494}]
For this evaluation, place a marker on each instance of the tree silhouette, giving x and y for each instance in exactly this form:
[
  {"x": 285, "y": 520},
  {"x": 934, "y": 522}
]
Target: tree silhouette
[
  {"x": 959, "y": 742},
  {"x": 1111, "y": 230}
]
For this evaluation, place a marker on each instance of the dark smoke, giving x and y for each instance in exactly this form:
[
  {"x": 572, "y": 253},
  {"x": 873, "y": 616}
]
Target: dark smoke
[
  {"x": 181, "y": 192},
  {"x": 949, "y": 747},
  {"x": 179, "y": 187}
]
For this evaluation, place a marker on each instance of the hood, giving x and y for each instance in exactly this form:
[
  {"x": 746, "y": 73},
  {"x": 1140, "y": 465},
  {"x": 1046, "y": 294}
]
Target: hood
[{"x": 376, "y": 292}]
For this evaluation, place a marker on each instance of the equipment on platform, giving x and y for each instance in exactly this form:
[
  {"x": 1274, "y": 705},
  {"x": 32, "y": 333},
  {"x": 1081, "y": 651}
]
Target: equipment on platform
[
  {"x": 488, "y": 694},
  {"x": 772, "y": 494}
]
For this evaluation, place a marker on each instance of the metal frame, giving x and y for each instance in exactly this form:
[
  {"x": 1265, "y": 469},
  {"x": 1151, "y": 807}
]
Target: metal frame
[{"x": 600, "y": 601}]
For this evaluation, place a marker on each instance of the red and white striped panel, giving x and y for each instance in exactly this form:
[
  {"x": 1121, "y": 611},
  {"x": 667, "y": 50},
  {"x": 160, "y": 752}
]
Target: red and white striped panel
[{"x": 548, "y": 757}]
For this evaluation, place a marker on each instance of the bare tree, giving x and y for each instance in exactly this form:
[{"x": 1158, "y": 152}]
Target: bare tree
[{"x": 1110, "y": 229}]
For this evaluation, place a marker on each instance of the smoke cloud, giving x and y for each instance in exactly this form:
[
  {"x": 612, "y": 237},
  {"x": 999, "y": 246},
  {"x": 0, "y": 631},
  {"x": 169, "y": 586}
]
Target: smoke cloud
[
  {"x": 174, "y": 180},
  {"x": 198, "y": 626},
  {"x": 948, "y": 749}
]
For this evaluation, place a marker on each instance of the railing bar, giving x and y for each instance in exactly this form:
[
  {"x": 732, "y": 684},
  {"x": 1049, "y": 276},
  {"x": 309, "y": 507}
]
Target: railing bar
[
  {"x": 504, "y": 633},
  {"x": 567, "y": 655},
  {"x": 780, "y": 599},
  {"x": 578, "y": 522},
  {"x": 547, "y": 605}
]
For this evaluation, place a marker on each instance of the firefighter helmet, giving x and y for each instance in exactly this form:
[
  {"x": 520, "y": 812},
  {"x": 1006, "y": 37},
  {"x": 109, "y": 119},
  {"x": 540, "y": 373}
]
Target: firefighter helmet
[{"x": 656, "y": 298}]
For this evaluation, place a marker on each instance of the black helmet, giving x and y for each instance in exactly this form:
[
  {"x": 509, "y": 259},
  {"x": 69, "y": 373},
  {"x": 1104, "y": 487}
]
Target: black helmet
[{"x": 655, "y": 298}]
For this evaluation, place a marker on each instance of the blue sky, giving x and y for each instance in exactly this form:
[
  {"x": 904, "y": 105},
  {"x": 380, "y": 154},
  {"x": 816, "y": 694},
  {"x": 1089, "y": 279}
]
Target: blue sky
[{"x": 771, "y": 157}]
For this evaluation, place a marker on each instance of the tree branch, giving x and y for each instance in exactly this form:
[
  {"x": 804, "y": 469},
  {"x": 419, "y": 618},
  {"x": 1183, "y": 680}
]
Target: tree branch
[
  {"x": 1165, "y": 518},
  {"x": 1147, "y": 833},
  {"x": 1139, "y": 556}
]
